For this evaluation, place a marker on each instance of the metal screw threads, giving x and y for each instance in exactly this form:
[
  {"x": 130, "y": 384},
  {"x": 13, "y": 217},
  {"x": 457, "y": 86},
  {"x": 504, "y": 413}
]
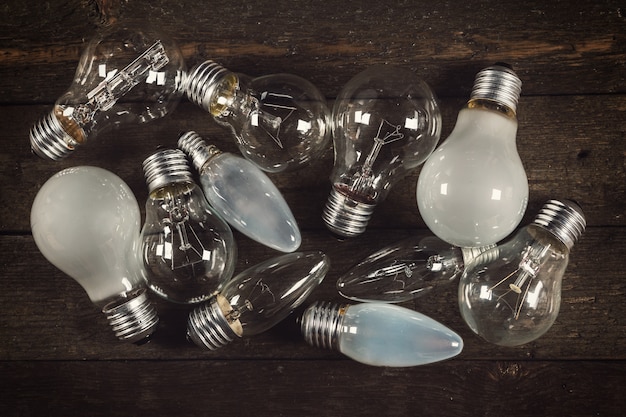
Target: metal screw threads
[
  {"x": 498, "y": 83},
  {"x": 564, "y": 219},
  {"x": 133, "y": 318},
  {"x": 486, "y": 253},
  {"x": 202, "y": 81},
  {"x": 345, "y": 216},
  {"x": 208, "y": 327},
  {"x": 198, "y": 151},
  {"x": 48, "y": 139},
  {"x": 166, "y": 167},
  {"x": 321, "y": 322}
]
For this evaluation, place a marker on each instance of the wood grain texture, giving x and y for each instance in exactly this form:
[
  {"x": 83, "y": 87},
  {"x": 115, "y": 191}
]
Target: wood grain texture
[{"x": 57, "y": 354}]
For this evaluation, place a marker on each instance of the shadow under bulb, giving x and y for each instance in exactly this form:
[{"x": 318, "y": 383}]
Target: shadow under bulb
[
  {"x": 280, "y": 121},
  {"x": 511, "y": 294},
  {"x": 125, "y": 75},
  {"x": 85, "y": 221},
  {"x": 189, "y": 251}
]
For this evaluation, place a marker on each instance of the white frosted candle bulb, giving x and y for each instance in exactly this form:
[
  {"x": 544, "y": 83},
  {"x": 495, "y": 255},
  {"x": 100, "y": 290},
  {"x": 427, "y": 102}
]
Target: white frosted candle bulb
[
  {"x": 85, "y": 221},
  {"x": 473, "y": 190},
  {"x": 245, "y": 197},
  {"x": 125, "y": 75},
  {"x": 379, "y": 334},
  {"x": 280, "y": 121}
]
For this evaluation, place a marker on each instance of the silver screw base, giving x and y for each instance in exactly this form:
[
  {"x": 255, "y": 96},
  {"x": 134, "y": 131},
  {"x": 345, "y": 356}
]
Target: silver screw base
[
  {"x": 345, "y": 216},
  {"x": 564, "y": 219},
  {"x": 498, "y": 83},
  {"x": 134, "y": 319},
  {"x": 196, "y": 149},
  {"x": 201, "y": 82},
  {"x": 207, "y": 326},
  {"x": 320, "y": 324},
  {"x": 49, "y": 141},
  {"x": 166, "y": 167}
]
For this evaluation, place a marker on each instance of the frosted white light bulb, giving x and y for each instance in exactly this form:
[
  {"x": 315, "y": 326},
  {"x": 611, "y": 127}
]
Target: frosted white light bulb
[
  {"x": 245, "y": 197},
  {"x": 511, "y": 294},
  {"x": 125, "y": 75},
  {"x": 386, "y": 121},
  {"x": 189, "y": 251},
  {"x": 379, "y": 334},
  {"x": 473, "y": 190},
  {"x": 280, "y": 121},
  {"x": 405, "y": 270},
  {"x": 85, "y": 221},
  {"x": 257, "y": 299}
]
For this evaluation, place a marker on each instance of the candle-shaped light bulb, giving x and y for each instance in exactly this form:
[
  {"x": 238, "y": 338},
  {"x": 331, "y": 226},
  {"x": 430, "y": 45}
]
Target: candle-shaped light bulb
[
  {"x": 243, "y": 195},
  {"x": 379, "y": 334}
]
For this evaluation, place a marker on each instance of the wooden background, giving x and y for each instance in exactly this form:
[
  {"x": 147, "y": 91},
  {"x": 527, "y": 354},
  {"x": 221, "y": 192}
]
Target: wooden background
[{"x": 57, "y": 354}]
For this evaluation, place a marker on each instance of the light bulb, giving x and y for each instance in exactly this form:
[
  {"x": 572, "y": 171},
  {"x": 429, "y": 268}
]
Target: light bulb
[
  {"x": 405, "y": 270},
  {"x": 85, "y": 221},
  {"x": 125, "y": 75},
  {"x": 245, "y": 197},
  {"x": 188, "y": 250},
  {"x": 280, "y": 121},
  {"x": 473, "y": 191},
  {"x": 386, "y": 122},
  {"x": 379, "y": 334},
  {"x": 511, "y": 294},
  {"x": 257, "y": 299}
]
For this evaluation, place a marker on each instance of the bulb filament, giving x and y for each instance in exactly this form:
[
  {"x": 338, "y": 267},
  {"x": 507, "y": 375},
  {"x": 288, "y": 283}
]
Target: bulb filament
[
  {"x": 387, "y": 133},
  {"x": 117, "y": 83},
  {"x": 272, "y": 123},
  {"x": 528, "y": 268}
]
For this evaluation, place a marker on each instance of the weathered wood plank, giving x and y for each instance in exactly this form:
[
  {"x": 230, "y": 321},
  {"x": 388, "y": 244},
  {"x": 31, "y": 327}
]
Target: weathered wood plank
[
  {"x": 44, "y": 314},
  {"x": 557, "y": 49},
  {"x": 304, "y": 388}
]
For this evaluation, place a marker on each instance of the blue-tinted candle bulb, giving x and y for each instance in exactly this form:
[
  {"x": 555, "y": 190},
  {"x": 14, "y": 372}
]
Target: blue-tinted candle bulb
[
  {"x": 379, "y": 334},
  {"x": 245, "y": 197}
]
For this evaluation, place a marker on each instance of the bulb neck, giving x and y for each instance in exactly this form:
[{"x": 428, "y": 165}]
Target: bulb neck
[
  {"x": 166, "y": 167},
  {"x": 49, "y": 140},
  {"x": 132, "y": 318},
  {"x": 346, "y": 216},
  {"x": 196, "y": 149},
  {"x": 498, "y": 84},
  {"x": 208, "y": 326},
  {"x": 202, "y": 84},
  {"x": 321, "y": 323},
  {"x": 486, "y": 253},
  {"x": 562, "y": 218}
]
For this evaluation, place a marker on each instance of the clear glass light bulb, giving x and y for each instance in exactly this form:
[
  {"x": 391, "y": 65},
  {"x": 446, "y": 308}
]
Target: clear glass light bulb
[
  {"x": 125, "y": 75},
  {"x": 511, "y": 294},
  {"x": 189, "y": 251},
  {"x": 379, "y": 334},
  {"x": 386, "y": 122},
  {"x": 473, "y": 190},
  {"x": 405, "y": 270},
  {"x": 85, "y": 221},
  {"x": 245, "y": 197},
  {"x": 257, "y": 299},
  {"x": 280, "y": 121}
]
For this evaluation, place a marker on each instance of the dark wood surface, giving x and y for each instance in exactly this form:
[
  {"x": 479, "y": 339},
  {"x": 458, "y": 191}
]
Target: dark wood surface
[{"x": 57, "y": 355}]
